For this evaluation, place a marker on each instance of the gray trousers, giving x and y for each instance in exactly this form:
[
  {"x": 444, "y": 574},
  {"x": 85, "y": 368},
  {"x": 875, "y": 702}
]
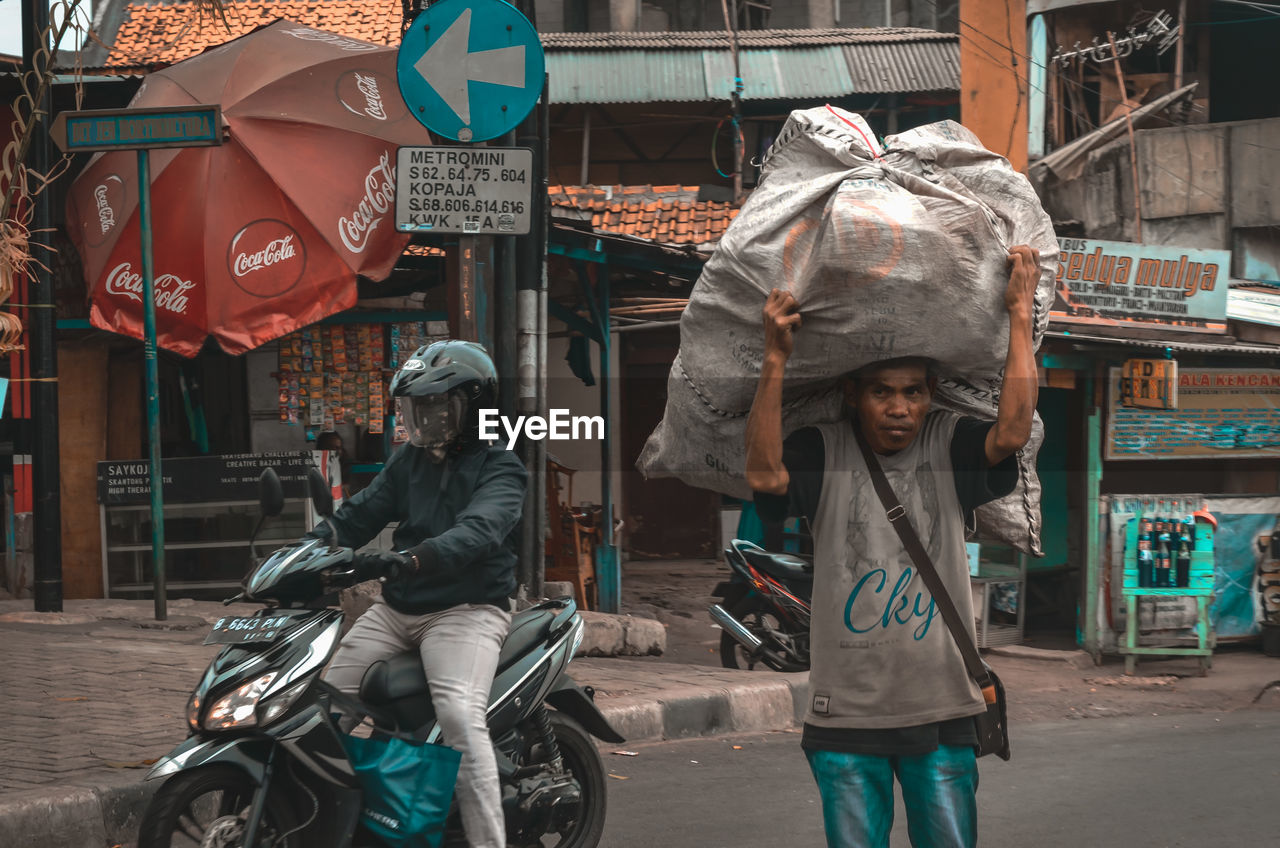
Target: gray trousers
[{"x": 459, "y": 649}]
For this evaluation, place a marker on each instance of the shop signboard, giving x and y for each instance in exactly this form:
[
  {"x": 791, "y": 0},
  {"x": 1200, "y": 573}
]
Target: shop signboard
[
  {"x": 1120, "y": 284},
  {"x": 202, "y": 479},
  {"x": 1149, "y": 383},
  {"x": 1256, "y": 304},
  {"x": 470, "y": 190},
  {"x": 1222, "y": 413}
]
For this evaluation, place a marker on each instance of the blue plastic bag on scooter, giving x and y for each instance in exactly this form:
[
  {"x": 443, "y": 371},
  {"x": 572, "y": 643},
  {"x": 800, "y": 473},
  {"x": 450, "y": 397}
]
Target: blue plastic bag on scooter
[{"x": 408, "y": 787}]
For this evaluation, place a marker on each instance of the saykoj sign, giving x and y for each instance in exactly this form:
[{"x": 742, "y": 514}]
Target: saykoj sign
[
  {"x": 1115, "y": 283},
  {"x": 202, "y": 479}
]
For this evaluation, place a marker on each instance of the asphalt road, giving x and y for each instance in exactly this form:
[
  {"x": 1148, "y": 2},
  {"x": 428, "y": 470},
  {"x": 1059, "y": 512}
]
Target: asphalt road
[{"x": 1143, "y": 782}]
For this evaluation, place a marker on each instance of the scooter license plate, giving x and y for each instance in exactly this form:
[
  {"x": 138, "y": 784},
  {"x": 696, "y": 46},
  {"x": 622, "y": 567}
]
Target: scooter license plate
[{"x": 265, "y": 626}]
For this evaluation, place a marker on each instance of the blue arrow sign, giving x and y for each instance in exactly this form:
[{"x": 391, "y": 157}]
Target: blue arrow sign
[{"x": 470, "y": 70}]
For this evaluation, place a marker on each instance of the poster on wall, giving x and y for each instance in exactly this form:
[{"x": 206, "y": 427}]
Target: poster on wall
[
  {"x": 1223, "y": 413},
  {"x": 1121, "y": 284}
]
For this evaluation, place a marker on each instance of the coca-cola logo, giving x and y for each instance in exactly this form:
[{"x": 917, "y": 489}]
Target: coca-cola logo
[
  {"x": 172, "y": 292},
  {"x": 108, "y": 198},
  {"x": 379, "y": 193},
  {"x": 370, "y": 94},
  {"x": 338, "y": 41},
  {"x": 266, "y": 258}
]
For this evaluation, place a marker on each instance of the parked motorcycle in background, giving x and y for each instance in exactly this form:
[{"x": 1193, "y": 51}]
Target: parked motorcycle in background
[
  {"x": 766, "y": 609},
  {"x": 264, "y": 765}
]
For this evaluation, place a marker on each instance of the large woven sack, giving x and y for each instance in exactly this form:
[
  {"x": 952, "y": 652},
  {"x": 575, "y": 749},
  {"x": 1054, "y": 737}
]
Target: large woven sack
[{"x": 893, "y": 252}]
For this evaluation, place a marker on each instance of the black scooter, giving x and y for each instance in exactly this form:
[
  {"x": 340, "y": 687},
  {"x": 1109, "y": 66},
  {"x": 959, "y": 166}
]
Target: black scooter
[
  {"x": 766, "y": 609},
  {"x": 264, "y": 767}
]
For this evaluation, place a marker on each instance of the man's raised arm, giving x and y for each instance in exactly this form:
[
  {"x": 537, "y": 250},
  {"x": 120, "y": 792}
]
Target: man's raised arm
[
  {"x": 765, "y": 471},
  {"x": 1012, "y": 429}
]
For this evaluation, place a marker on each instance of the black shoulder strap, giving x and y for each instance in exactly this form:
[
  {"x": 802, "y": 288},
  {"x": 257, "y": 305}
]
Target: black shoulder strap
[{"x": 897, "y": 515}]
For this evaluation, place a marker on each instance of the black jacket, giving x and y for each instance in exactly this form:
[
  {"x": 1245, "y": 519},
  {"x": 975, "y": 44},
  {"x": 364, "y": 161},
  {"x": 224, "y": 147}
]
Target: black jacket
[{"x": 461, "y": 518}]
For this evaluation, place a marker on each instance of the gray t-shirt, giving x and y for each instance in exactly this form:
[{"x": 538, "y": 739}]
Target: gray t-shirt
[{"x": 944, "y": 474}]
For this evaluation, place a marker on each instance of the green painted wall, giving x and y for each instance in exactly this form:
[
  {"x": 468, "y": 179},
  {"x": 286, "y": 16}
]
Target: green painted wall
[{"x": 1051, "y": 464}]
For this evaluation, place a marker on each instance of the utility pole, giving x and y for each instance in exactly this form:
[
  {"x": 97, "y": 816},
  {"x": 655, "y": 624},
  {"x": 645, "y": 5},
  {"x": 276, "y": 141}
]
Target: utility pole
[
  {"x": 47, "y": 510},
  {"x": 735, "y": 93},
  {"x": 529, "y": 263}
]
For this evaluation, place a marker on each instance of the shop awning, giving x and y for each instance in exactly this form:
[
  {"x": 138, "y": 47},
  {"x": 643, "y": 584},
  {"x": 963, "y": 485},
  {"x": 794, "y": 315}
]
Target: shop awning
[{"x": 1182, "y": 345}]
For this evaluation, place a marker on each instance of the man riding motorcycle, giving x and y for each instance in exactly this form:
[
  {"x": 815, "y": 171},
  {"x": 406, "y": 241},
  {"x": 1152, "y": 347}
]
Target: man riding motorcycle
[{"x": 457, "y": 501}]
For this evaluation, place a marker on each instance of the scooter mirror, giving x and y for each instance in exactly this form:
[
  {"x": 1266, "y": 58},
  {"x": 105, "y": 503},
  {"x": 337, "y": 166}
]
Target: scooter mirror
[
  {"x": 321, "y": 494},
  {"x": 270, "y": 493}
]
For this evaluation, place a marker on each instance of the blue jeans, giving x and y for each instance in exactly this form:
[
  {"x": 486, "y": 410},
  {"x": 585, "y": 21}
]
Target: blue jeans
[{"x": 939, "y": 791}]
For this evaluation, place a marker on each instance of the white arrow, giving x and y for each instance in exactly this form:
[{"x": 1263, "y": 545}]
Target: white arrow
[{"x": 448, "y": 67}]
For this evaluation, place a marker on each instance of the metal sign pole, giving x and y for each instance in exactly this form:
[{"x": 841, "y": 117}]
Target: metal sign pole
[
  {"x": 153, "y": 386},
  {"x": 92, "y": 130}
]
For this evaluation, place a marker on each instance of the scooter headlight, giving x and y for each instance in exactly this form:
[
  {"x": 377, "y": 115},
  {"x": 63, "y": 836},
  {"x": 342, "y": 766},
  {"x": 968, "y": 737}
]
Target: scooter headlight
[
  {"x": 278, "y": 705},
  {"x": 239, "y": 709}
]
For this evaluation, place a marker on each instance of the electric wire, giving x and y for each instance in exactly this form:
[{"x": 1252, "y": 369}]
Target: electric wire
[
  {"x": 1269, "y": 8},
  {"x": 1102, "y": 98},
  {"x": 1023, "y": 78},
  {"x": 1097, "y": 92},
  {"x": 715, "y": 139}
]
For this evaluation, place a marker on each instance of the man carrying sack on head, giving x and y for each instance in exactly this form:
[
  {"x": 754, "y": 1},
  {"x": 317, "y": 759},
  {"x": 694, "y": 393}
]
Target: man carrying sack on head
[{"x": 888, "y": 494}]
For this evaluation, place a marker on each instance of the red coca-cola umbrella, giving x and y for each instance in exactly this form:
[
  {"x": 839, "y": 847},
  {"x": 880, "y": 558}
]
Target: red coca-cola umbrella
[{"x": 266, "y": 233}]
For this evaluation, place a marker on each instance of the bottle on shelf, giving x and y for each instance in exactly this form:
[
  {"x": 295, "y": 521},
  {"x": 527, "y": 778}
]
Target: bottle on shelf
[
  {"x": 1146, "y": 556},
  {"x": 1163, "y": 545},
  {"x": 1187, "y": 544}
]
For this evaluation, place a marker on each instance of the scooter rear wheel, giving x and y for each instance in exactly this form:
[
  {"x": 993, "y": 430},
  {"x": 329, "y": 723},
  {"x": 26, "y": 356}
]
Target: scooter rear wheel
[
  {"x": 205, "y": 807},
  {"x": 758, "y": 617},
  {"x": 582, "y": 760}
]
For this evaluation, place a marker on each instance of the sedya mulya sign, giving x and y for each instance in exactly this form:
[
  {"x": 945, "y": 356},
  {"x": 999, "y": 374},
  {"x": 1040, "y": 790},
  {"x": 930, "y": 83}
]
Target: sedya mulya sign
[{"x": 1116, "y": 283}]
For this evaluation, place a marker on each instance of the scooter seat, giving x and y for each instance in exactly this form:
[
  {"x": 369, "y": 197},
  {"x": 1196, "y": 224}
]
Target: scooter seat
[
  {"x": 395, "y": 679},
  {"x": 528, "y": 628},
  {"x": 785, "y": 567},
  {"x": 400, "y": 677}
]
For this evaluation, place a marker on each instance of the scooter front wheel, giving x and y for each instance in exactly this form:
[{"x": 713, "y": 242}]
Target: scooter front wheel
[{"x": 206, "y": 808}]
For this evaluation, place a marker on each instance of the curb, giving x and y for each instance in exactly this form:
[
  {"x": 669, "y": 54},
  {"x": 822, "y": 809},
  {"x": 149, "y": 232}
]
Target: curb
[
  {"x": 684, "y": 712},
  {"x": 609, "y": 635},
  {"x": 75, "y": 816},
  {"x": 1076, "y": 659}
]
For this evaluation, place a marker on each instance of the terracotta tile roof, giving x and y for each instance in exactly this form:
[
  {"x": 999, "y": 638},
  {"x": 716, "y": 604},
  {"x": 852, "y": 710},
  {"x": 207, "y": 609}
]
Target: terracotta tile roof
[
  {"x": 423, "y": 250},
  {"x": 152, "y": 34},
  {"x": 664, "y": 214}
]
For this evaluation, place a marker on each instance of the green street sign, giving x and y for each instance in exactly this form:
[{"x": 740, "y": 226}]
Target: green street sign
[{"x": 137, "y": 129}]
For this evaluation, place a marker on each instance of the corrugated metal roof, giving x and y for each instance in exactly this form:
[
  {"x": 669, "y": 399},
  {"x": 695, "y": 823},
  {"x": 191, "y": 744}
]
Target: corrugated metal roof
[
  {"x": 904, "y": 67},
  {"x": 631, "y": 75},
  {"x": 747, "y": 39},
  {"x": 795, "y": 72},
  {"x": 627, "y": 77}
]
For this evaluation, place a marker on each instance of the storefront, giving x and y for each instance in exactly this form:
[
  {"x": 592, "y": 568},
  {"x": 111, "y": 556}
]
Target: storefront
[
  {"x": 223, "y": 419},
  {"x": 1152, "y": 409},
  {"x": 210, "y": 512}
]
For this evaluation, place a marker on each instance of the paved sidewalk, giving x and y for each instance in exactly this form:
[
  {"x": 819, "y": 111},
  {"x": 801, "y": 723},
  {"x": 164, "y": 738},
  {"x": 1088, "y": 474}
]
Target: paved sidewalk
[{"x": 91, "y": 696}]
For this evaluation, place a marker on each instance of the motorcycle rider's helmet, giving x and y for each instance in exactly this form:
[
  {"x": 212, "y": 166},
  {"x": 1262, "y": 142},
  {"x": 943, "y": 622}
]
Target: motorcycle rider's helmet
[{"x": 439, "y": 391}]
